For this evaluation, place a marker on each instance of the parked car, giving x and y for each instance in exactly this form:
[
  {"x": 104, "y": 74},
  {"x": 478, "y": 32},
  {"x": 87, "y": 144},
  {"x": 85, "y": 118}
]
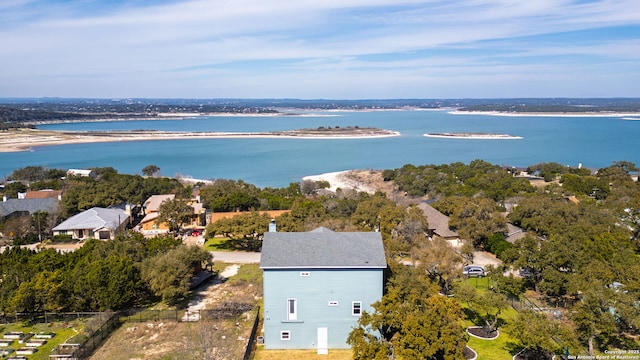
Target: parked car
[
  {"x": 526, "y": 273},
  {"x": 473, "y": 271}
]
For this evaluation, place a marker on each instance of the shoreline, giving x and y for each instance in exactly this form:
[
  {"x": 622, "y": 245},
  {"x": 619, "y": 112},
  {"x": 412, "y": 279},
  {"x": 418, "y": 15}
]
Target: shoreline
[
  {"x": 340, "y": 180},
  {"x": 473, "y": 136},
  {"x": 26, "y": 139},
  {"x": 176, "y": 116},
  {"x": 549, "y": 114}
]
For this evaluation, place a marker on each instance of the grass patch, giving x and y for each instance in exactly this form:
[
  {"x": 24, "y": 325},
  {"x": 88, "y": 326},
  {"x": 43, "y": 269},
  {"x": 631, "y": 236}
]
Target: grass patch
[
  {"x": 262, "y": 354},
  {"x": 500, "y": 348},
  {"x": 247, "y": 274},
  {"x": 63, "y": 331},
  {"x": 217, "y": 244},
  {"x": 480, "y": 283}
]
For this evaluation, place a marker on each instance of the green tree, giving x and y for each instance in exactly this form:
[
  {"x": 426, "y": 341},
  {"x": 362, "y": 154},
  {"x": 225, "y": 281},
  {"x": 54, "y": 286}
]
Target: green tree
[
  {"x": 44, "y": 292},
  {"x": 594, "y": 320},
  {"x": 245, "y": 230},
  {"x": 535, "y": 334},
  {"x": 409, "y": 233},
  {"x": 440, "y": 262},
  {"x": 378, "y": 214},
  {"x": 175, "y": 213},
  {"x": 12, "y": 189},
  {"x": 150, "y": 170},
  {"x": 168, "y": 275},
  {"x": 230, "y": 195},
  {"x": 410, "y": 322},
  {"x": 486, "y": 305},
  {"x": 475, "y": 219}
]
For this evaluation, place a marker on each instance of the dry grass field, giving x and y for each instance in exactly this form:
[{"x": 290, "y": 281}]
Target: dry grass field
[
  {"x": 202, "y": 340},
  {"x": 262, "y": 354}
]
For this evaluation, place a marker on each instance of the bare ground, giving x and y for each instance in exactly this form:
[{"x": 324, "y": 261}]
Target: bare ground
[{"x": 220, "y": 339}]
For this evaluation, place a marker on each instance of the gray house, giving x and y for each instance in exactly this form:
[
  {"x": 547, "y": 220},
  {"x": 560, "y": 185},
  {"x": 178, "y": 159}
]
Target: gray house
[
  {"x": 439, "y": 224},
  {"x": 95, "y": 223},
  {"x": 317, "y": 284},
  {"x": 20, "y": 207}
]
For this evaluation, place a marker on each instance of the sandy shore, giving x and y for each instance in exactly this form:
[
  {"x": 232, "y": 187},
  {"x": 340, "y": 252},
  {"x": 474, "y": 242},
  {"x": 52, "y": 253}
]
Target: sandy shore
[
  {"x": 545, "y": 114},
  {"x": 25, "y": 139},
  {"x": 341, "y": 180},
  {"x": 474, "y": 136}
]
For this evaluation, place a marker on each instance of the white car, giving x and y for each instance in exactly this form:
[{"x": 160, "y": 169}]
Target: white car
[{"x": 473, "y": 271}]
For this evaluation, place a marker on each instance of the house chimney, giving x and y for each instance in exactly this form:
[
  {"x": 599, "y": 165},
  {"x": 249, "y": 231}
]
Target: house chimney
[{"x": 272, "y": 226}]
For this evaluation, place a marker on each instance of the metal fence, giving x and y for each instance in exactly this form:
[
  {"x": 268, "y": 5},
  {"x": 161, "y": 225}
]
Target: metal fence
[
  {"x": 85, "y": 349},
  {"x": 252, "y": 338},
  {"x": 224, "y": 311},
  {"x": 46, "y": 317},
  {"x": 107, "y": 322}
]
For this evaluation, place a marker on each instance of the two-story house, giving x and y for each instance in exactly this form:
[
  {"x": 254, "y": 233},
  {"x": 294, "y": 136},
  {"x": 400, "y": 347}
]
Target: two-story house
[{"x": 317, "y": 284}]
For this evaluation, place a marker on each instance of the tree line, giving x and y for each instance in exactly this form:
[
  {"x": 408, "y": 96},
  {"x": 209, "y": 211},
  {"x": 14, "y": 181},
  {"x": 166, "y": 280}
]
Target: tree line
[
  {"x": 581, "y": 251},
  {"x": 127, "y": 272}
]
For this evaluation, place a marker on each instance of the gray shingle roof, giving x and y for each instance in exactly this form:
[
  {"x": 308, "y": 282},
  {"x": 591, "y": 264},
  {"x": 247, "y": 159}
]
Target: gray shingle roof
[
  {"x": 438, "y": 222},
  {"x": 322, "y": 248},
  {"x": 514, "y": 233},
  {"x": 94, "y": 218},
  {"x": 31, "y": 205}
]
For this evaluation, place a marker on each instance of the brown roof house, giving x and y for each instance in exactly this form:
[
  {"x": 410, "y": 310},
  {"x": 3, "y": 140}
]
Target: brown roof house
[
  {"x": 439, "y": 225},
  {"x": 149, "y": 224},
  {"x": 43, "y": 194},
  {"x": 95, "y": 223}
]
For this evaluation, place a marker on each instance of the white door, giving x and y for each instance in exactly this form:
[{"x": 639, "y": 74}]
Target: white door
[{"x": 323, "y": 340}]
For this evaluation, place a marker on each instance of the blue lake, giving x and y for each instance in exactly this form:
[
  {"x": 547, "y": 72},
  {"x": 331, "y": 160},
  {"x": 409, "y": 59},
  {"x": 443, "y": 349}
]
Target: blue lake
[{"x": 592, "y": 141}]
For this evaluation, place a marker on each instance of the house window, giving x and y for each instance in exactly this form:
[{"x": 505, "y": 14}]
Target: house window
[
  {"x": 356, "y": 308},
  {"x": 285, "y": 335},
  {"x": 305, "y": 273},
  {"x": 62, "y": 232},
  {"x": 333, "y": 303},
  {"x": 292, "y": 309}
]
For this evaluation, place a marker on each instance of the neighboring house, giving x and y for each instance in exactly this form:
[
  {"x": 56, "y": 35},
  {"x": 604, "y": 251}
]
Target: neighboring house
[
  {"x": 514, "y": 233},
  {"x": 43, "y": 194},
  {"x": 149, "y": 224},
  {"x": 81, "y": 172},
  {"x": 317, "y": 284},
  {"x": 95, "y": 223},
  {"x": 439, "y": 224},
  {"x": 20, "y": 207},
  {"x": 213, "y": 217}
]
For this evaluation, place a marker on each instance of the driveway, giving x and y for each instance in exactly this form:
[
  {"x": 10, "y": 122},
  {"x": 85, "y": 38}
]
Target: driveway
[
  {"x": 236, "y": 257},
  {"x": 484, "y": 258}
]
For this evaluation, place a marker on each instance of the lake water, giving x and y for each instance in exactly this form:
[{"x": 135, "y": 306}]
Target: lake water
[{"x": 592, "y": 141}]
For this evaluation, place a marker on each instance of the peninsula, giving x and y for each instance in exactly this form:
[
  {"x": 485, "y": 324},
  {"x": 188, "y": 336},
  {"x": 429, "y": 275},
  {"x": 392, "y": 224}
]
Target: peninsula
[
  {"x": 486, "y": 136},
  {"x": 21, "y": 139}
]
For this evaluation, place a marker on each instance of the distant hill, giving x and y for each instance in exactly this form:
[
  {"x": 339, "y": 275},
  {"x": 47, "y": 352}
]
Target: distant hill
[{"x": 20, "y": 110}]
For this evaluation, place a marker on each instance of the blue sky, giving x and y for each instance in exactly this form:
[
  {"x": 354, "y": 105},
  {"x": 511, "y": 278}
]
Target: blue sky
[{"x": 331, "y": 49}]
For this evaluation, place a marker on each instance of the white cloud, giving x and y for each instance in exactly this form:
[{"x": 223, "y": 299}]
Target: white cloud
[{"x": 224, "y": 40}]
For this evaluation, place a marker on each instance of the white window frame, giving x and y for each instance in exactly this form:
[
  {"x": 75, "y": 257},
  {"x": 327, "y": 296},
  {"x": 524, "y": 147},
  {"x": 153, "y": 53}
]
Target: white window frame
[
  {"x": 358, "y": 307},
  {"x": 292, "y": 312},
  {"x": 305, "y": 273},
  {"x": 285, "y": 335},
  {"x": 333, "y": 303}
]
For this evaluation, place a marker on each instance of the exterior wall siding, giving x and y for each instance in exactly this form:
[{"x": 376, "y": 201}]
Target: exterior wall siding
[{"x": 313, "y": 294}]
